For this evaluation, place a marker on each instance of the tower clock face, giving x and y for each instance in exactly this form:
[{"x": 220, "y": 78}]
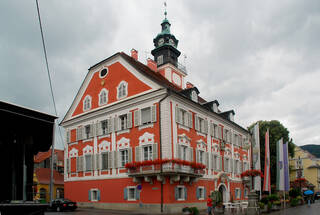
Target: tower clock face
[
  {"x": 161, "y": 41},
  {"x": 171, "y": 42}
]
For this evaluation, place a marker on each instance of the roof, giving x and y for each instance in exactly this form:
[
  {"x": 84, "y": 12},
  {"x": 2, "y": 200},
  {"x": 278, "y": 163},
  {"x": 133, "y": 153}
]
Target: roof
[
  {"x": 41, "y": 156},
  {"x": 43, "y": 176},
  {"x": 158, "y": 78}
]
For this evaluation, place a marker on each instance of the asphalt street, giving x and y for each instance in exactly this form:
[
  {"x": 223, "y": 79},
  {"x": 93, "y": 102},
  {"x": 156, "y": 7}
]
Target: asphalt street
[{"x": 313, "y": 209}]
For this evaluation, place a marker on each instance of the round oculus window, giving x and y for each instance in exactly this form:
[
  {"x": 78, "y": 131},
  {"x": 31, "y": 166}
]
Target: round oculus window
[{"x": 103, "y": 72}]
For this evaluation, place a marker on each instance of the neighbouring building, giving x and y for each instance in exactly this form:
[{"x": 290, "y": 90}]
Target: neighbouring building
[
  {"x": 42, "y": 174},
  {"x": 305, "y": 165},
  {"x": 24, "y": 133},
  {"x": 139, "y": 136}
]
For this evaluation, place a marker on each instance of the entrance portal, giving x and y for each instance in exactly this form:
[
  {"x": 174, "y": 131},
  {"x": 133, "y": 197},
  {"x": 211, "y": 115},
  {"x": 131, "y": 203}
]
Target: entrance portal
[{"x": 223, "y": 192}]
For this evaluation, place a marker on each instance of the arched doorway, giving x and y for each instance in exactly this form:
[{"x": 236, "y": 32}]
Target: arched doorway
[{"x": 223, "y": 192}]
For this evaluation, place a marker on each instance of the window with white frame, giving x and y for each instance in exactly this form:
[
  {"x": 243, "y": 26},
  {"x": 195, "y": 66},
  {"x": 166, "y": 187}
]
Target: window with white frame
[
  {"x": 123, "y": 121},
  {"x": 226, "y": 165},
  {"x": 201, "y": 125},
  {"x": 146, "y": 115},
  {"x": 147, "y": 152},
  {"x": 94, "y": 195},
  {"x": 245, "y": 193},
  {"x": 104, "y": 127},
  {"x": 183, "y": 117},
  {"x": 87, "y": 131},
  {"x": 200, "y": 193},
  {"x": 103, "y": 97},
  {"x": 215, "y": 162},
  {"x": 184, "y": 151},
  {"x": 124, "y": 156},
  {"x": 122, "y": 90},
  {"x": 180, "y": 193},
  {"x": 160, "y": 59},
  {"x": 104, "y": 160},
  {"x": 201, "y": 156},
  {"x": 88, "y": 160},
  {"x": 194, "y": 96},
  {"x": 215, "y": 131},
  {"x": 87, "y": 103},
  {"x": 132, "y": 193},
  {"x": 237, "y": 167},
  {"x": 237, "y": 193}
]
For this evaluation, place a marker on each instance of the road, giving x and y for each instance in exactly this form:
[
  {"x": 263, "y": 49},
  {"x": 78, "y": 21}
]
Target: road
[{"x": 314, "y": 209}]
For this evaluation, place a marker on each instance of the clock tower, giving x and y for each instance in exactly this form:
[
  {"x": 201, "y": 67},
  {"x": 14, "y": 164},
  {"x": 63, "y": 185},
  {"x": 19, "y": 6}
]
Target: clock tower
[{"x": 166, "y": 44}]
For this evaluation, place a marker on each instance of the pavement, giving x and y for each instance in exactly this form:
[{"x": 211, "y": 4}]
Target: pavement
[{"x": 313, "y": 209}]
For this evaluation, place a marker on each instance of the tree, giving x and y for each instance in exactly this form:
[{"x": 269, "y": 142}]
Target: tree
[{"x": 276, "y": 132}]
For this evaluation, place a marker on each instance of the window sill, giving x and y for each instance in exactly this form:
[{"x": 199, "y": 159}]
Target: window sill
[
  {"x": 181, "y": 200},
  {"x": 123, "y": 131},
  {"x": 149, "y": 125},
  {"x": 103, "y": 136},
  {"x": 94, "y": 200},
  {"x": 201, "y": 134},
  {"x": 184, "y": 127}
]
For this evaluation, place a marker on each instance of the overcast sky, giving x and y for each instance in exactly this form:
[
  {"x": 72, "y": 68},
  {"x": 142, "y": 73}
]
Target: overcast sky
[{"x": 259, "y": 58}]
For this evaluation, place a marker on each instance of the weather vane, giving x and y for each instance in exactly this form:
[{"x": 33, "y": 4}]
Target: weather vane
[{"x": 165, "y": 9}]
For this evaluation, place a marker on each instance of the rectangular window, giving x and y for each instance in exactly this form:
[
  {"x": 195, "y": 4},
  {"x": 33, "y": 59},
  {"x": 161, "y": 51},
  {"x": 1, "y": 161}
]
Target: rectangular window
[
  {"x": 124, "y": 157},
  {"x": 201, "y": 193},
  {"x": 87, "y": 131},
  {"x": 226, "y": 165},
  {"x": 123, "y": 122},
  {"x": 184, "y": 152},
  {"x": 160, "y": 59},
  {"x": 147, "y": 153},
  {"x": 104, "y": 127},
  {"x": 201, "y": 156},
  {"x": 180, "y": 193},
  {"x": 88, "y": 159},
  {"x": 145, "y": 115},
  {"x": 104, "y": 160},
  {"x": 94, "y": 196},
  {"x": 131, "y": 193}
]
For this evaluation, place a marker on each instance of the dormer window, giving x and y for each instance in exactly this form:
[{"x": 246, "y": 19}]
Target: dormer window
[
  {"x": 103, "y": 73},
  {"x": 87, "y": 103},
  {"x": 194, "y": 96},
  {"x": 122, "y": 90},
  {"x": 103, "y": 97},
  {"x": 215, "y": 107}
]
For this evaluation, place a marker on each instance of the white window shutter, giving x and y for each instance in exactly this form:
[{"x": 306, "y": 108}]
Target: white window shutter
[
  {"x": 205, "y": 126},
  {"x": 109, "y": 128},
  {"x": 91, "y": 130},
  {"x": 220, "y": 132},
  {"x": 153, "y": 113},
  {"x": 208, "y": 160},
  {"x": 129, "y": 120},
  {"x": 98, "y": 161},
  {"x": 137, "y": 153},
  {"x": 191, "y": 154},
  {"x": 110, "y": 163},
  {"x": 115, "y": 159},
  {"x": 155, "y": 151},
  {"x": 81, "y": 163},
  {"x": 197, "y": 156},
  {"x": 196, "y": 123},
  {"x": 116, "y": 123},
  {"x": 177, "y": 114},
  {"x": 190, "y": 120},
  {"x": 136, "y": 115},
  {"x": 130, "y": 155},
  {"x": 98, "y": 128},
  {"x": 178, "y": 151}
]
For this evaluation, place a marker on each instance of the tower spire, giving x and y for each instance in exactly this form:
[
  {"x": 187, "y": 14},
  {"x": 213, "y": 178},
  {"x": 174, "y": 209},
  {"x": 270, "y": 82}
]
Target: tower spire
[{"x": 165, "y": 9}]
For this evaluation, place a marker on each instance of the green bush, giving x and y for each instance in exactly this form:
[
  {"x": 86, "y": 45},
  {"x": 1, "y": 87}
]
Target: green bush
[
  {"x": 261, "y": 205},
  {"x": 186, "y": 209},
  {"x": 277, "y": 203},
  {"x": 194, "y": 210},
  {"x": 269, "y": 205},
  {"x": 293, "y": 193},
  {"x": 273, "y": 197},
  {"x": 294, "y": 202},
  {"x": 264, "y": 200}
]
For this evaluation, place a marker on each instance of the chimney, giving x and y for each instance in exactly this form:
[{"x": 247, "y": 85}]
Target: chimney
[
  {"x": 134, "y": 54},
  {"x": 152, "y": 64},
  {"x": 189, "y": 85}
]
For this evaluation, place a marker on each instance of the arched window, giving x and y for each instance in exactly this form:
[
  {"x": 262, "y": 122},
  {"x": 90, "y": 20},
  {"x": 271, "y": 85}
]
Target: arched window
[
  {"x": 87, "y": 103},
  {"x": 194, "y": 96},
  {"x": 103, "y": 97},
  {"x": 122, "y": 90}
]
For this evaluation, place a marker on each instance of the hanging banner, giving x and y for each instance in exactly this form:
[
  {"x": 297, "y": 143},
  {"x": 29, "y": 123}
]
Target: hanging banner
[
  {"x": 266, "y": 184},
  {"x": 256, "y": 156}
]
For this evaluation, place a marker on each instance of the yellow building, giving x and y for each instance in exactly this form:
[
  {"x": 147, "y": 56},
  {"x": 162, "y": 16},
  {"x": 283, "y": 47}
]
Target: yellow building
[
  {"x": 41, "y": 180},
  {"x": 305, "y": 165}
]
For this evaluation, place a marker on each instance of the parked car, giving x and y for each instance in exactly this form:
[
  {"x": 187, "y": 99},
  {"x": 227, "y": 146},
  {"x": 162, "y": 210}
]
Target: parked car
[
  {"x": 317, "y": 195},
  {"x": 63, "y": 205}
]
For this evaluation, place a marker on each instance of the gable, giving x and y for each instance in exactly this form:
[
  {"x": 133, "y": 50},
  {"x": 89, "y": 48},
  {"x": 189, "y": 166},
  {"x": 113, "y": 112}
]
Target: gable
[{"x": 119, "y": 71}]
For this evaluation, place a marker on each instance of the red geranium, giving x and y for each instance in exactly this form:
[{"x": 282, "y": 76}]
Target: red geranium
[{"x": 252, "y": 172}]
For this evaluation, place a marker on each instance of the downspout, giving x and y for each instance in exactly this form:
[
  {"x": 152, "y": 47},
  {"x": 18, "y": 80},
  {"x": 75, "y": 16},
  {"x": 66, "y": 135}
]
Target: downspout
[{"x": 160, "y": 144}]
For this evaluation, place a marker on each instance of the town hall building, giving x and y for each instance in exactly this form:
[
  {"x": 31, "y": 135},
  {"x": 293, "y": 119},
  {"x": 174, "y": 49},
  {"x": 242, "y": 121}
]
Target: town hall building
[{"x": 140, "y": 137}]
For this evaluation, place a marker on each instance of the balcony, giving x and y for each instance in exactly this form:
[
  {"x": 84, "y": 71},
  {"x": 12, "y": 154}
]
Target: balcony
[{"x": 169, "y": 168}]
